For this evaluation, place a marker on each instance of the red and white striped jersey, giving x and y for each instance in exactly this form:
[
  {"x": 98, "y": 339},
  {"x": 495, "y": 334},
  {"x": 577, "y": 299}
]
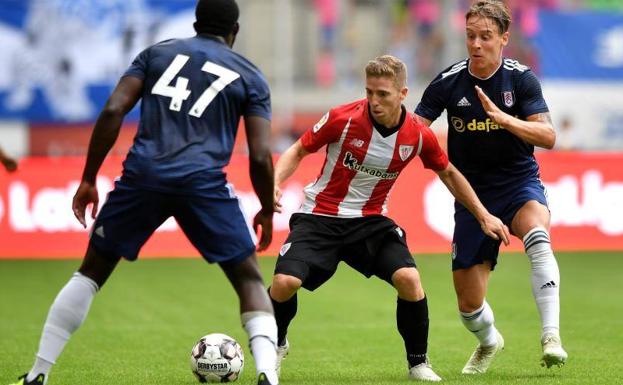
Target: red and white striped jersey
[{"x": 362, "y": 165}]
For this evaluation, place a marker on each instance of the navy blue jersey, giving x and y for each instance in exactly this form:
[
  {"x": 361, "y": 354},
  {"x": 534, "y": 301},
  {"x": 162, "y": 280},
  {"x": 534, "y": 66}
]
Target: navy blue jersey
[
  {"x": 487, "y": 154},
  {"x": 195, "y": 91}
]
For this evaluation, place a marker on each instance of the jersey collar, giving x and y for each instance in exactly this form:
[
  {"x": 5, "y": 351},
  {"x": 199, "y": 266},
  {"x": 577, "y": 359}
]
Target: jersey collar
[
  {"x": 488, "y": 77},
  {"x": 215, "y": 38},
  {"x": 385, "y": 131}
]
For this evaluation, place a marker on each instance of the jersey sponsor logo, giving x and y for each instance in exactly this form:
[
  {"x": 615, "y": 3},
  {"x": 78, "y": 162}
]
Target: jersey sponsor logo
[
  {"x": 351, "y": 162},
  {"x": 405, "y": 151},
  {"x": 321, "y": 123},
  {"x": 474, "y": 125},
  {"x": 458, "y": 124},
  {"x": 463, "y": 102},
  {"x": 357, "y": 143},
  {"x": 509, "y": 98},
  {"x": 284, "y": 249}
]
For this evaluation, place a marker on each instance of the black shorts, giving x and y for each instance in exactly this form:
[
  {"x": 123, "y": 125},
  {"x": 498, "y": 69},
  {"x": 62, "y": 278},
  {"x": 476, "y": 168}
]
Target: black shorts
[{"x": 372, "y": 245}]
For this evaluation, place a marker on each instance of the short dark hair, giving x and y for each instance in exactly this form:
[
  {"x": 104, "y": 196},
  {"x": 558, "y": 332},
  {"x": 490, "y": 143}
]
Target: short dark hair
[
  {"x": 495, "y": 10},
  {"x": 216, "y": 17}
]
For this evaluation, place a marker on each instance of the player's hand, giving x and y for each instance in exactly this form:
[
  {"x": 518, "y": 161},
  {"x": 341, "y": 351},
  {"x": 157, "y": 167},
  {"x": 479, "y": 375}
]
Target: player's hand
[
  {"x": 265, "y": 221},
  {"x": 497, "y": 115},
  {"x": 85, "y": 195},
  {"x": 9, "y": 164},
  {"x": 277, "y": 199},
  {"x": 495, "y": 228}
]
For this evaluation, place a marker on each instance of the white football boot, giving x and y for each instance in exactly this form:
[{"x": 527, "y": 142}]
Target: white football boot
[
  {"x": 423, "y": 372},
  {"x": 282, "y": 352},
  {"x": 482, "y": 357},
  {"x": 553, "y": 353}
]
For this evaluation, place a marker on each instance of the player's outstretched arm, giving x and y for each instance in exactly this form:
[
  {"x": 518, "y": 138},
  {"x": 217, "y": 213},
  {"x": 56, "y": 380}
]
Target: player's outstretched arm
[
  {"x": 537, "y": 129},
  {"x": 286, "y": 165},
  {"x": 262, "y": 173},
  {"x": 105, "y": 133},
  {"x": 9, "y": 163},
  {"x": 464, "y": 193}
]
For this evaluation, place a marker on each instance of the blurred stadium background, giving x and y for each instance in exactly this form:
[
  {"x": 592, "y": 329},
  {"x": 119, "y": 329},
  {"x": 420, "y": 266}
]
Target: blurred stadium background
[{"x": 61, "y": 58}]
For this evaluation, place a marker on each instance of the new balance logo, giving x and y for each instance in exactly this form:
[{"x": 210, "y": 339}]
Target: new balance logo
[
  {"x": 463, "y": 102},
  {"x": 550, "y": 284},
  {"x": 357, "y": 143}
]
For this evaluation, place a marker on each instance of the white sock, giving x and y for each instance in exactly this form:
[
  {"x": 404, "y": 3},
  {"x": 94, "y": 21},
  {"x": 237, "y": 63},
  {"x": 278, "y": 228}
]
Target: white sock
[
  {"x": 262, "y": 330},
  {"x": 480, "y": 322},
  {"x": 545, "y": 278},
  {"x": 65, "y": 316}
]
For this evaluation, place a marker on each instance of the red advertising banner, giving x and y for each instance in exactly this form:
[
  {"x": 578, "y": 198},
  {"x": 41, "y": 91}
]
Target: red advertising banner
[{"x": 585, "y": 191}]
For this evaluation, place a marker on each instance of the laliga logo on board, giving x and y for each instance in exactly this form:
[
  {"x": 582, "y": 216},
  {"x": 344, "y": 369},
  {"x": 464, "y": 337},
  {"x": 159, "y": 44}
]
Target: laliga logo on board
[
  {"x": 49, "y": 209},
  {"x": 575, "y": 201}
]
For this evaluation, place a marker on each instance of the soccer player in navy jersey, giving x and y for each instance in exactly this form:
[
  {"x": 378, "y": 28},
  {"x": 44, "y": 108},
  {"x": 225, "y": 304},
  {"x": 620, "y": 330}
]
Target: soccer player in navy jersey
[
  {"x": 193, "y": 93},
  {"x": 496, "y": 115},
  {"x": 8, "y": 163},
  {"x": 368, "y": 143}
]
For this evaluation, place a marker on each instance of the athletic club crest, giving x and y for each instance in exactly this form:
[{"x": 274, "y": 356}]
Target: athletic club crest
[
  {"x": 508, "y": 97},
  {"x": 405, "y": 151}
]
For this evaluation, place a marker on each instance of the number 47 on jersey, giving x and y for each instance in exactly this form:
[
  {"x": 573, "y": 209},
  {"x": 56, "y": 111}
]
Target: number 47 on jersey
[{"x": 180, "y": 91}]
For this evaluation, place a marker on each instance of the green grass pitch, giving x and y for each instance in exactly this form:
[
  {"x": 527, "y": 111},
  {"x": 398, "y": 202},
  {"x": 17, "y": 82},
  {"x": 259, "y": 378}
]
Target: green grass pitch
[{"x": 144, "y": 322}]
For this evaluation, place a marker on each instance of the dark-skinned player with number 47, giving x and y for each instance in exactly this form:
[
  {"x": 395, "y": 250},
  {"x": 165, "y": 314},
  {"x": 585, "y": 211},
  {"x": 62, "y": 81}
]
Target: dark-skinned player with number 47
[{"x": 194, "y": 92}]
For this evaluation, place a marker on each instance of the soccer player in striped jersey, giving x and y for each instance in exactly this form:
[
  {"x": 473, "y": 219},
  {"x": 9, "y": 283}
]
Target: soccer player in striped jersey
[
  {"x": 496, "y": 115},
  {"x": 193, "y": 92},
  {"x": 368, "y": 143}
]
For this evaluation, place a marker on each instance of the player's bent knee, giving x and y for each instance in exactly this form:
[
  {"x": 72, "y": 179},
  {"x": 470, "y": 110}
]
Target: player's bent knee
[
  {"x": 468, "y": 305},
  {"x": 284, "y": 287},
  {"x": 408, "y": 284}
]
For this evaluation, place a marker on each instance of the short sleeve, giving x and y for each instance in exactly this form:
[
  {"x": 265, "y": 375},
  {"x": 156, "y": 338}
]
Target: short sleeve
[
  {"x": 324, "y": 132},
  {"x": 138, "y": 68},
  {"x": 258, "y": 103},
  {"x": 433, "y": 101},
  {"x": 529, "y": 94},
  {"x": 433, "y": 156}
]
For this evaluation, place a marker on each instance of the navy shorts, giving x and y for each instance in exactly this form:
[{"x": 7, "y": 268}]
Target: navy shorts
[
  {"x": 212, "y": 221},
  {"x": 470, "y": 245},
  {"x": 372, "y": 245}
]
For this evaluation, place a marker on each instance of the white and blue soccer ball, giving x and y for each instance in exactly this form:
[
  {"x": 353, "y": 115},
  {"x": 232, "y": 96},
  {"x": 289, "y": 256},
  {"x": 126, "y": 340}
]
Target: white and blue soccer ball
[{"x": 217, "y": 357}]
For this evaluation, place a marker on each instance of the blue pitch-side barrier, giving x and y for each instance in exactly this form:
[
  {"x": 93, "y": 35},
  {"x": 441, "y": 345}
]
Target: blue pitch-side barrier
[{"x": 581, "y": 45}]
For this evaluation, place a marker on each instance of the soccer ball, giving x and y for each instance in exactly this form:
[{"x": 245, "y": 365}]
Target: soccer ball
[{"x": 217, "y": 358}]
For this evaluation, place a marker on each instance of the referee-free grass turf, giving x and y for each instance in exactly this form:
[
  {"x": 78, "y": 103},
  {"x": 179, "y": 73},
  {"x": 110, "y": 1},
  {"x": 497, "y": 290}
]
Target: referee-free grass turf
[{"x": 144, "y": 322}]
